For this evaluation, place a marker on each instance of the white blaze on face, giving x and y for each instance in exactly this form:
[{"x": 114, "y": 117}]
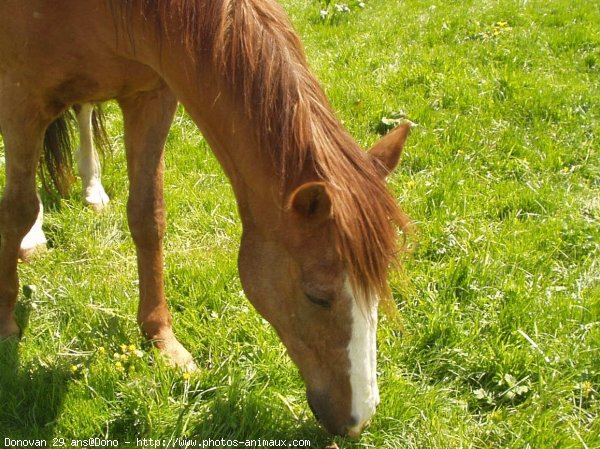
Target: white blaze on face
[{"x": 362, "y": 351}]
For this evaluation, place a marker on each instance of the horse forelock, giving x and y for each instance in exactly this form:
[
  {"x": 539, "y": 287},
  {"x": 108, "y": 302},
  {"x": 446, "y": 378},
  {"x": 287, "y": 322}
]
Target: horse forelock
[{"x": 258, "y": 54}]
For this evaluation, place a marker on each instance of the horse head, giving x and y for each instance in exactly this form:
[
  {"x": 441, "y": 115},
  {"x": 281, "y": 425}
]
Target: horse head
[{"x": 300, "y": 281}]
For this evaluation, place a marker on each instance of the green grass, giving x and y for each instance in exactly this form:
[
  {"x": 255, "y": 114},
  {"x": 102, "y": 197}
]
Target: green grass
[{"x": 500, "y": 336}]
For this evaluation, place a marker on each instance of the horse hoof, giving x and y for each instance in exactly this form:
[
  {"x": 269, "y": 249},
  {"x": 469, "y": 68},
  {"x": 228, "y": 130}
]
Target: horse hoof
[
  {"x": 96, "y": 198},
  {"x": 189, "y": 367},
  {"x": 175, "y": 353},
  {"x": 96, "y": 207},
  {"x": 181, "y": 359},
  {"x": 26, "y": 254}
]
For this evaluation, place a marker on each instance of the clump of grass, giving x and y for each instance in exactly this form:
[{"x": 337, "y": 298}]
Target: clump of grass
[{"x": 332, "y": 12}]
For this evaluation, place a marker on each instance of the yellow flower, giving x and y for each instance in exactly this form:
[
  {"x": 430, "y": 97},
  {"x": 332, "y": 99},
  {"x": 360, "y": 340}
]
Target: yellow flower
[
  {"x": 586, "y": 388},
  {"x": 74, "y": 369},
  {"x": 131, "y": 348},
  {"x": 101, "y": 350},
  {"x": 186, "y": 376},
  {"x": 411, "y": 184},
  {"x": 119, "y": 367},
  {"x": 123, "y": 347}
]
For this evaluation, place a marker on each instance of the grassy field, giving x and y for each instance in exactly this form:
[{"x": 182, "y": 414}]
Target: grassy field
[{"x": 498, "y": 345}]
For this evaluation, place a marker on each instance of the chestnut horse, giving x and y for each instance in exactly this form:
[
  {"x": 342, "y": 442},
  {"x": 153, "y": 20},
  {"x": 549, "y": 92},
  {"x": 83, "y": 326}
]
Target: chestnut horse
[
  {"x": 319, "y": 225},
  {"x": 88, "y": 162}
]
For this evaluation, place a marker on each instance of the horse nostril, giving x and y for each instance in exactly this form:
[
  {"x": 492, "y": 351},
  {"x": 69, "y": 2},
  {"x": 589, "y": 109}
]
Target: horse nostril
[
  {"x": 355, "y": 430},
  {"x": 353, "y": 433},
  {"x": 327, "y": 415}
]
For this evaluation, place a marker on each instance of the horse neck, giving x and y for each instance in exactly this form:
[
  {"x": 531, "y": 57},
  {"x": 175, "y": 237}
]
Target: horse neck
[
  {"x": 220, "y": 111},
  {"x": 229, "y": 131}
]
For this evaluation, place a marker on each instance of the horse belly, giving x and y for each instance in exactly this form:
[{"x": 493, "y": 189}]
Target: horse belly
[
  {"x": 101, "y": 80},
  {"x": 66, "y": 55}
]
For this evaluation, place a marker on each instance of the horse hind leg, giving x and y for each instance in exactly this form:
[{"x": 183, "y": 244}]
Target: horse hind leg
[
  {"x": 89, "y": 167},
  {"x": 23, "y": 129},
  {"x": 147, "y": 118},
  {"x": 88, "y": 161}
]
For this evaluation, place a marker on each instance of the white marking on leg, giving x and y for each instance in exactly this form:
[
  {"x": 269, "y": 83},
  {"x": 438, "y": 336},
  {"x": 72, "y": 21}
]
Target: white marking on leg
[
  {"x": 362, "y": 351},
  {"x": 35, "y": 237},
  {"x": 88, "y": 161}
]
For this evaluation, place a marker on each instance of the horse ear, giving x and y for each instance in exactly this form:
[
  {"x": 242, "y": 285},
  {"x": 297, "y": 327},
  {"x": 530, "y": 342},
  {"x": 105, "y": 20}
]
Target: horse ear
[
  {"x": 385, "y": 154},
  {"x": 311, "y": 201}
]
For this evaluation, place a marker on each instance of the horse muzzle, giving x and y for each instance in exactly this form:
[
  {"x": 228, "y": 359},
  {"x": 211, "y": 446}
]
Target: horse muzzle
[{"x": 335, "y": 418}]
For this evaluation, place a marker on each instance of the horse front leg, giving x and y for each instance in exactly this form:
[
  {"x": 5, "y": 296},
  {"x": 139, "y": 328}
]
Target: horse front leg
[
  {"x": 147, "y": 118},
  {"x": 23, "y": 129}
]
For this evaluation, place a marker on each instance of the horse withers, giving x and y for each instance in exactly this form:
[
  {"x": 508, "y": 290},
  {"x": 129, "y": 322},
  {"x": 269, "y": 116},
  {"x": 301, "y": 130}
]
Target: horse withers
[{"x": 320, "y": 227}]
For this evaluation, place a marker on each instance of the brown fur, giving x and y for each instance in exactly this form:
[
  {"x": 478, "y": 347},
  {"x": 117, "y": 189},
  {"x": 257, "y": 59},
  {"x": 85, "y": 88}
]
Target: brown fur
[{"x": 260, "y": 56}]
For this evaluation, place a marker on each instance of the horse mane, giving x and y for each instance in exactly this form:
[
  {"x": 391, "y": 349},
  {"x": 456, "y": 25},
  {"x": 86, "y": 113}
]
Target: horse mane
[{"x": 259, "y": 55}]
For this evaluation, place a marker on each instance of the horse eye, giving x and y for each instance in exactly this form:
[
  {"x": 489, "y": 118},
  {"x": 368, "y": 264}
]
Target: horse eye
[{"x": 321, "y": 302}]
